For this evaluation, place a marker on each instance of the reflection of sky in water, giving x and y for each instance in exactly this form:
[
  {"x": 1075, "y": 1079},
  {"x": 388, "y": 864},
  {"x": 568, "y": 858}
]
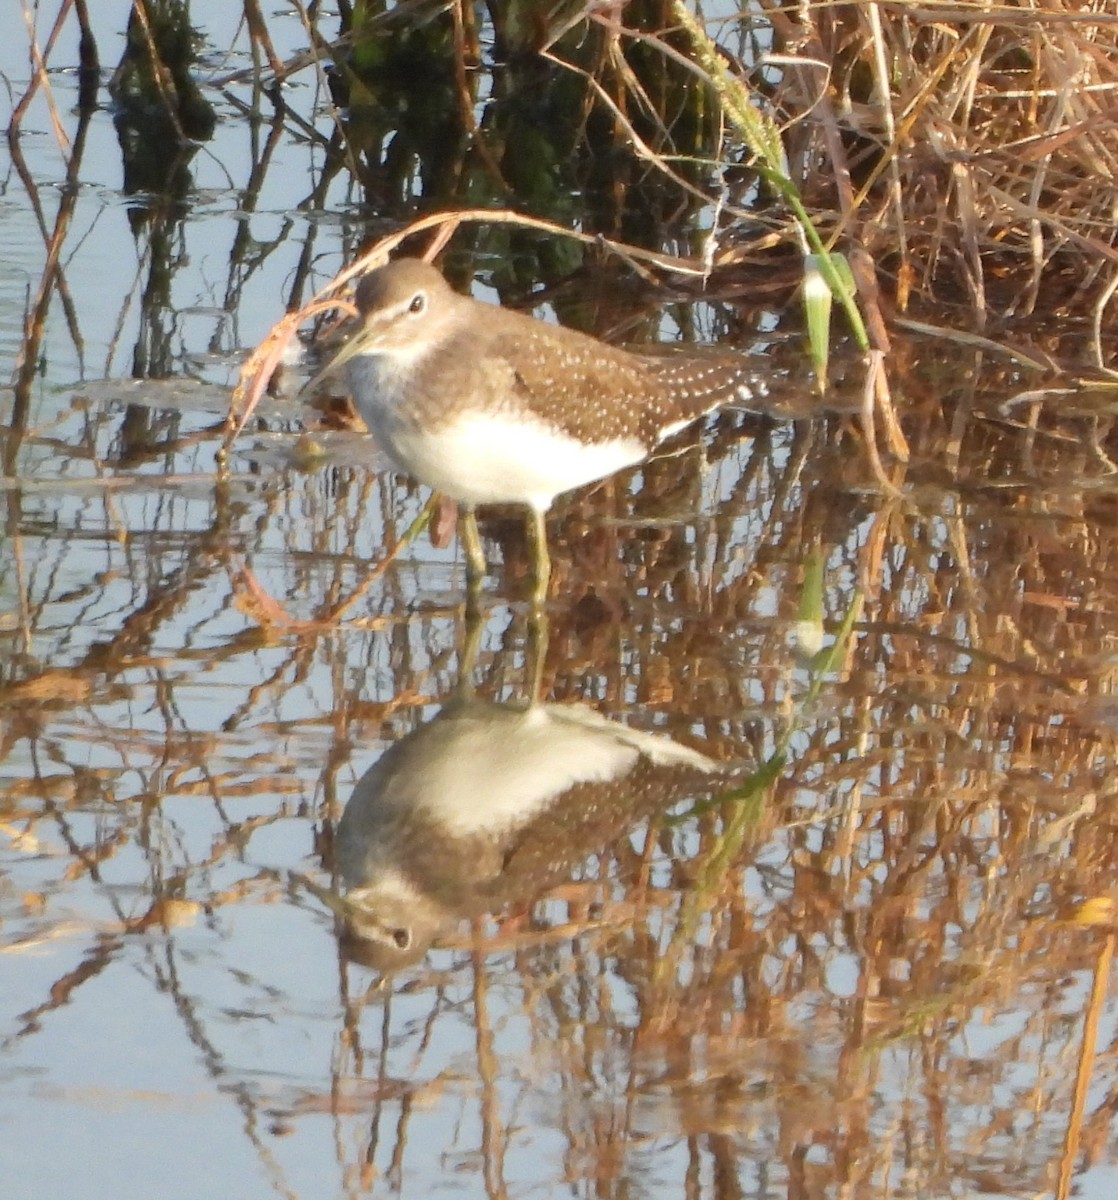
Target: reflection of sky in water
[{"x": 106, "y": 265}]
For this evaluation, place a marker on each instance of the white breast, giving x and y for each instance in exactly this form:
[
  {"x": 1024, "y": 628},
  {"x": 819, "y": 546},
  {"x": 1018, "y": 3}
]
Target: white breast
[
  {"x": 495, "y": 770},
  {"x": 492, "y": 459},
  {"x": 479, "y": 457}
]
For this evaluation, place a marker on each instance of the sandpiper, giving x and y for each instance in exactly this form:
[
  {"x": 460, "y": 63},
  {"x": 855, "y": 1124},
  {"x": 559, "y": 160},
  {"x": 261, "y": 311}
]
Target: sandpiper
[{"x": 491, "y": 406}]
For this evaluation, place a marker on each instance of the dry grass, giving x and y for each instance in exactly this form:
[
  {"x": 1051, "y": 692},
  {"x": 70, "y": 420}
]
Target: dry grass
[{"x": 958, "y": 158}]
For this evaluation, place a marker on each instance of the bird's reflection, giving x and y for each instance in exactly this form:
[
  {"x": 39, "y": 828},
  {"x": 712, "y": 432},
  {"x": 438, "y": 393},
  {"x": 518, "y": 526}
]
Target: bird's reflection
[{"x": 490, "y": 804}]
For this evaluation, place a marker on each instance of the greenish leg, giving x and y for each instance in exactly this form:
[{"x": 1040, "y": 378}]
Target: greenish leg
[
  {"x": 471, "y": 645},
  {"x": 471, "y": 541},
  {"x": 543, "y": 559},
  {"x": 537, "y": 653}
]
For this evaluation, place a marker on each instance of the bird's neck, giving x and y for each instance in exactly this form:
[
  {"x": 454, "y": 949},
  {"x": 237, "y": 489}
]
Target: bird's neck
[{"x": 384, "y": 376}]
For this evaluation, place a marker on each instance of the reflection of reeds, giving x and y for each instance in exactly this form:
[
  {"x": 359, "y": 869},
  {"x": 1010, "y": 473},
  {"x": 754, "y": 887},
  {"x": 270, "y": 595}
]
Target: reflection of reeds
[{"x": 942, "y": 802}]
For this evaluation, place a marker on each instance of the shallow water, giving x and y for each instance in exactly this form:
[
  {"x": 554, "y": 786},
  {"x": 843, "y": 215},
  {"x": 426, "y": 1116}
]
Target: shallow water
[{"x": 847, "y": 956}]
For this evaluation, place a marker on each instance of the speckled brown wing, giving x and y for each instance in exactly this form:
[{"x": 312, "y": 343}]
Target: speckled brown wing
[
  {"x": 589, "y": 818},
  {"x": 590, "y": 390},
  {"x": 700, "y": 383},
  {"x": 597, "y": 392}
]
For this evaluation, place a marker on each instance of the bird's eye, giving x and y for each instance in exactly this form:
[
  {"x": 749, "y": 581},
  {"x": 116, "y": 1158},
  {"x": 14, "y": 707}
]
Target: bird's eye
[
  {"x": 418, "y": 303},
  {"x": 402, "y": 938}
]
